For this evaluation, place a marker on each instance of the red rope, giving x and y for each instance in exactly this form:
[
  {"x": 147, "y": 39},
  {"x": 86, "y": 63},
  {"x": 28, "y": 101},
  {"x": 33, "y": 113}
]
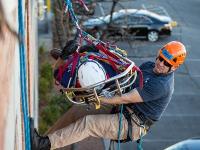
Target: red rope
[
  {"x": 140, "y": 74},
  {"x": 62, "y": 69},
  {"x": 74, "y": 63}
]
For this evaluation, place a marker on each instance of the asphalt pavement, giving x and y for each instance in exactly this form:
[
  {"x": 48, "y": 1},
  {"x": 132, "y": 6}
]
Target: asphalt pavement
[{"x": 181, "y": 119}]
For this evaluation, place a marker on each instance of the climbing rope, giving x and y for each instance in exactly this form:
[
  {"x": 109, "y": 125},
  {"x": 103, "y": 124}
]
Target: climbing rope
[
  {"x": 69, "y": 8},
  {"x": 23, "y": 79},
  {"x": 139, "y": 145}
]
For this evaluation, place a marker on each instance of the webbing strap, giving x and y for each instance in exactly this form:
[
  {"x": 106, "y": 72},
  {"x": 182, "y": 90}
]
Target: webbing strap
[
  {"x": 74, "y": 61},
  {"x": 117, "y": 65},
  {"x": 62, "y": 69},
  {"x": 83, "y": 4},
  {"x": 106, "y": 51},
  {"x": 129, "y": 133},
  {"x": 90, "y": 39},
  {"x": 140, "y": 74},
  {"x": 109, "y": 61},
  {"x": 113, "y": 59}
]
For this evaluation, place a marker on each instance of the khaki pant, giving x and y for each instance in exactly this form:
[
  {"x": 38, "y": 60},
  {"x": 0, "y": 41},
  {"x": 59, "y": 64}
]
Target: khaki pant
[{"x": 103, "y": 125}]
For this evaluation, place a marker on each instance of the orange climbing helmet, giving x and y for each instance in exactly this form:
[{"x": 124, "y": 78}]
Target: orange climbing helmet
[{"x": 174, "y": 53}]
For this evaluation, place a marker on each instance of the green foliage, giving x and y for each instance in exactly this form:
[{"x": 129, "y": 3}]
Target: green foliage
[
  {"x": 46, "y": 72},
  {"x": 43, "y": 85},
  {"x": 45, "y": 81},
  {"x": 41, "y": 49}
]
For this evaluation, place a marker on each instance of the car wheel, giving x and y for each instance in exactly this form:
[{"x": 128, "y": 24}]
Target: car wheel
[{"x": 152, "y": 36}]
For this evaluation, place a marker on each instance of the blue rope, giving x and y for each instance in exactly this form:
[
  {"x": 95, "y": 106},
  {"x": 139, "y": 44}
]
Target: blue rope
[
  {"x": 120, "y": 126},
  {"x": 68, "y": 4},
  {"x": 23, "y": 76},
  {"x": 72, "y": 14},
  {"x": 139, "y": 145}
]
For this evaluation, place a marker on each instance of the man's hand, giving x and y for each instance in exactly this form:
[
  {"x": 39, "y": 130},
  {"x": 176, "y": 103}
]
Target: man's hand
[{"x": 131, "y": 97}]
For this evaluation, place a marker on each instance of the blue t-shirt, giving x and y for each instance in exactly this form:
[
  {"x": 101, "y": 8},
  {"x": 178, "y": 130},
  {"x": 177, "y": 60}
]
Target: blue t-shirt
[{"x": 156, "y": 93}]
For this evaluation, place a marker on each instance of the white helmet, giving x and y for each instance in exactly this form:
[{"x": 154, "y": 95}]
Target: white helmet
[{"x": 91, "y": 72}]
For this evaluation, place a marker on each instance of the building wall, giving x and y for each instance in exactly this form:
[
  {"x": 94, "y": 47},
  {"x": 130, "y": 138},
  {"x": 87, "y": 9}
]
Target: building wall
[{"x": 11, "y": 116}]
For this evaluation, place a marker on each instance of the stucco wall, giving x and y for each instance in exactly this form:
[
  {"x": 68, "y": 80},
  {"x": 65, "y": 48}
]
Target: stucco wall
[
  {"x": 11, "y": 121},
  {"x": 7, "y": 68}
]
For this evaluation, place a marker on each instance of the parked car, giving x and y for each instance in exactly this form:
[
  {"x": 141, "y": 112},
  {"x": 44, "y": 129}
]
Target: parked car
[
  {"x": 189, "y": 144},
  {"x": 139, "y": 23}
]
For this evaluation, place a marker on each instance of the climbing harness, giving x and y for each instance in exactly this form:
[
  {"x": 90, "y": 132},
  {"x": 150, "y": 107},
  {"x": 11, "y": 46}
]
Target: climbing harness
[
  {"x": 131, "y": 114},
  {"x": 83, "y": 4}
]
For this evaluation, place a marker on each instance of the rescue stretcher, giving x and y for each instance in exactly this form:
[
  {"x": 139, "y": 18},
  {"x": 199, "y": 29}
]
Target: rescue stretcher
[{"x": 116, "y": 85}]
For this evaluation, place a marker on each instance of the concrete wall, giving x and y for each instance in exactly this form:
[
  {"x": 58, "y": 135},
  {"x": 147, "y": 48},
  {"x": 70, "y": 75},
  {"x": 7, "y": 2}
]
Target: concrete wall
[{"x": 11, "y": 121}]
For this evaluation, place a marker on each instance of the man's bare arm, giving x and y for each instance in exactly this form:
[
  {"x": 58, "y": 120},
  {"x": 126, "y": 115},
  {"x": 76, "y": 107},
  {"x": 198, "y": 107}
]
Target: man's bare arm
[{"x": 131, "y": 97}]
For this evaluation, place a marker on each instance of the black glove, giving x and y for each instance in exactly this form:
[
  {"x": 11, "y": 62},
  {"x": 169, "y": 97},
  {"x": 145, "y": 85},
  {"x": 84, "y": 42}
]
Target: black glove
[{"x": 69, "y": 48}]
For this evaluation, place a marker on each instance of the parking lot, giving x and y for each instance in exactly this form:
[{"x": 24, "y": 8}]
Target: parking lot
[{"x": 182, "y": 118}]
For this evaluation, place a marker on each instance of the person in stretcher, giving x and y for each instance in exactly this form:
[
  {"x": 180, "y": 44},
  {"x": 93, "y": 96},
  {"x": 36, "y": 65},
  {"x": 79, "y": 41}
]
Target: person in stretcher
[{"x": 84, "y": 67}]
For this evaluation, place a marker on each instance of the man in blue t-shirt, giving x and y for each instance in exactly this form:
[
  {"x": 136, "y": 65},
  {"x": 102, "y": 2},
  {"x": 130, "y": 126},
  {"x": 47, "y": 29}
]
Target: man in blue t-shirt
[{"x": 143, "y": 107}]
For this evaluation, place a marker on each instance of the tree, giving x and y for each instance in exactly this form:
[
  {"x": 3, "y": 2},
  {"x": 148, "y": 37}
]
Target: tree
[{"x": 61, "y": 24}]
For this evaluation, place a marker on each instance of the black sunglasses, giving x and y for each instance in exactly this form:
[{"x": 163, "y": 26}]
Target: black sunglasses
[{"x": 165, "y": 62}]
